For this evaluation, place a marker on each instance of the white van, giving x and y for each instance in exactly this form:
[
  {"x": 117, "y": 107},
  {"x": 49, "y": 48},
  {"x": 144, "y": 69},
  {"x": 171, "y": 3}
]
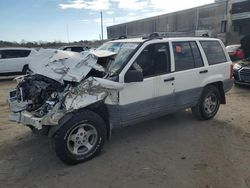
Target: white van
[{"x": 15, "y": 60}]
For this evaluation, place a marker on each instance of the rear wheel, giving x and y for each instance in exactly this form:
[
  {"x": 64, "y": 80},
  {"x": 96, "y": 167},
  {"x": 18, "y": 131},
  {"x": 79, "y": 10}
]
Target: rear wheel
[
  {"x": 208, "y": 104},
  {"x": 81, "y": 138},
  {"x": 25, "y": 69}
]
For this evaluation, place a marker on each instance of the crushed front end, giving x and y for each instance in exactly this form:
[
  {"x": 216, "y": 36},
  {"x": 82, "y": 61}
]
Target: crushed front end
[
  {"x": 60, "y": 82},
  {"x": 37, "y": 101}
]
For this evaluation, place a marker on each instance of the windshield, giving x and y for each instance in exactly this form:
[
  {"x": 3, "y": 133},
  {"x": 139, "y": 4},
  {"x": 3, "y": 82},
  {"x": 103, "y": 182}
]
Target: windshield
[{"x": 123, "y": 51}]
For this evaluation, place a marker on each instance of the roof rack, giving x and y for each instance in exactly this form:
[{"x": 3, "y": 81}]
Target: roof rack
[
  {"x": 151, "y": 36},
  {"x": 122, "y": 37}
]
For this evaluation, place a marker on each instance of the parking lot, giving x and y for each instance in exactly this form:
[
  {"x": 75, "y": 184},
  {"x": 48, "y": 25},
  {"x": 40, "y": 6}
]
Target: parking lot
[{"x": 173, "y": 151}]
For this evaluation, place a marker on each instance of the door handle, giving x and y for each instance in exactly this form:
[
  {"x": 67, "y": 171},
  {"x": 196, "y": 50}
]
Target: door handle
[
  {"x": 204, "y": 71},
  {"x": 169, "y": 79}
]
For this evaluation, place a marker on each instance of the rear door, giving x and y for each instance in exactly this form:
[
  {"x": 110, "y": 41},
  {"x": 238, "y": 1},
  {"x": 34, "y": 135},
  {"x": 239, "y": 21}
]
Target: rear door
[{"x": 189, "y": 73}]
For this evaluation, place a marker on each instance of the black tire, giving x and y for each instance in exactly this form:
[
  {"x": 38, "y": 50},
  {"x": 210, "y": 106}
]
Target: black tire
[
  {"x": 64, "y": 145},
  {"x": 201, "y": 111},
  {"x": 25, "y": 69}
]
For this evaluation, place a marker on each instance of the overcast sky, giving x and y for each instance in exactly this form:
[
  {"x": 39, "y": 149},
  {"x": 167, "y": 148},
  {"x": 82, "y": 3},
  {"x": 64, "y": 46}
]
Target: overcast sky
[{"x": 48, "y": 20}]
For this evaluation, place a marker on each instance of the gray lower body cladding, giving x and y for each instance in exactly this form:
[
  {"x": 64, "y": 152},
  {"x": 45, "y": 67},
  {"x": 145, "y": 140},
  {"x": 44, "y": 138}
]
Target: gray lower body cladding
[{"x": 123, "y": 115}]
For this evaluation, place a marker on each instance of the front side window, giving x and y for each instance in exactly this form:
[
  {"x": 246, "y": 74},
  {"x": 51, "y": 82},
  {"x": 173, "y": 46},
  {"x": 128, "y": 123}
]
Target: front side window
[
  {"x": 154, "y": 60},
  {"x": 6, "y": 54},
  {"x": 124, "y": 51},
  {"x": 214, "y": 52}
]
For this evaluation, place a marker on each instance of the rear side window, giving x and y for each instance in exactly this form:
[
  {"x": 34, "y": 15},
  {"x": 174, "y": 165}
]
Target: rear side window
[
  {"x": 214, "y": 52},
  {"x": 197, "y": 55},
  {"x": 15, "y": 53},
  {"x": 187, "y": 56},
  {"x": 77, "y": 49}
]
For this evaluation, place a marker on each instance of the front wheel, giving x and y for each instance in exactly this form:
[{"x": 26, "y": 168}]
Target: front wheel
[
  {"x": 81, "y": 138},
  {"x": 208, "y": 104}
]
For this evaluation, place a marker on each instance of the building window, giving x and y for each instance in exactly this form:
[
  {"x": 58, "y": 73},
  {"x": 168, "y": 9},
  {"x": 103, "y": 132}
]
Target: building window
[
  {"x": 223, "y": 26},
  {"x": 241, "y": 7}
]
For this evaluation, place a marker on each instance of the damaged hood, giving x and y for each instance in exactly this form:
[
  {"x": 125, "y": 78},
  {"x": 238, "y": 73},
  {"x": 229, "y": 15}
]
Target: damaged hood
[{"x": 63, "y": 66}]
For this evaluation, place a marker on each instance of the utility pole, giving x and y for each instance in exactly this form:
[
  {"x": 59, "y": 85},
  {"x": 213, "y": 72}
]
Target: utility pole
[
  {"x": 67, "y": 27},
  {"x": 101, "y": 26}
]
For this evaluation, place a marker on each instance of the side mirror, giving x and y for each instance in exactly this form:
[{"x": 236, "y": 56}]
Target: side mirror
[
  {"x": 133, "y": 76},
  {"x": 0, "y": 56}
]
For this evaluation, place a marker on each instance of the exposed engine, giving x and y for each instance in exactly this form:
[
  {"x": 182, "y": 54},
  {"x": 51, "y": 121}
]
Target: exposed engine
[{"x": 40, "y": 92}]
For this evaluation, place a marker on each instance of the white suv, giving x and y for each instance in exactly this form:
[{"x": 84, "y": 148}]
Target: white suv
[
  {"x": 15, "y": 60},
  {"x": 81, "y": 100}
]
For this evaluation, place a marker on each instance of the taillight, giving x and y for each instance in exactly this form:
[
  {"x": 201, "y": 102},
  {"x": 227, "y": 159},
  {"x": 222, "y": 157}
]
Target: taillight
[
  {"x": 239, "y": 54},
  {"x": 231, "y": 71}
]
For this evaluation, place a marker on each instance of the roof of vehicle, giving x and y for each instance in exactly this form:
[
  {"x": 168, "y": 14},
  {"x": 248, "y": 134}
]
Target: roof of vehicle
[
  {"x": 233, "y": 46},
  {"x": 72, "y": 46},
  {"x": 139, "y": 40},
  {"x": 16, "y": 48}
]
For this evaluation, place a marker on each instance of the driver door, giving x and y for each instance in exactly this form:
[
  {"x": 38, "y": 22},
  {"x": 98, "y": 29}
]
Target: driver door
[{"x": 137, "y": 99}]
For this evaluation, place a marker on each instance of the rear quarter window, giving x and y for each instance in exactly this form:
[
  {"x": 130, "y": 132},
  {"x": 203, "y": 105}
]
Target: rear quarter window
[{"x": 214, "y": 52}]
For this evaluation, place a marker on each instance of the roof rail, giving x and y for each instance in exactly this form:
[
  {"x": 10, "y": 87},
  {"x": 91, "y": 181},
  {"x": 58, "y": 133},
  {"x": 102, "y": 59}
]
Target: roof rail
[
  {"x": 154, "y": 35},
  {"x": 122, "y": 37}
]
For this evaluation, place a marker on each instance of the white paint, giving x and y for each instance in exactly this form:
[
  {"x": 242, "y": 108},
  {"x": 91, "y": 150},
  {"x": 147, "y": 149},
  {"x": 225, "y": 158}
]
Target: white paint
[{"x": 184, "y": 80}]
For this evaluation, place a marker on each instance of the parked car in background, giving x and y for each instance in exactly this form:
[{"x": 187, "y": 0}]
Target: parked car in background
[
  {"x": 15, "y": 60},
  {"x": 242, "y": 72},
  {"x": 235, "y": 52},
  {"x": 74, "y": 48}
]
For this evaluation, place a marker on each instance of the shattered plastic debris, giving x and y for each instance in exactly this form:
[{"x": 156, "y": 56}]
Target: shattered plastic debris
[{"x": 90, "y": 91}]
